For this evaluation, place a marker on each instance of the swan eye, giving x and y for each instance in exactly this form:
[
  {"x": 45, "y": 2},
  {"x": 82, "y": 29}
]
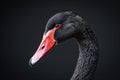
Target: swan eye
[{"x": 57, "y": 26}]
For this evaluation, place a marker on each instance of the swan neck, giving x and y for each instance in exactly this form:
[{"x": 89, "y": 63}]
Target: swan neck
[{"x": 87, "y": 60}]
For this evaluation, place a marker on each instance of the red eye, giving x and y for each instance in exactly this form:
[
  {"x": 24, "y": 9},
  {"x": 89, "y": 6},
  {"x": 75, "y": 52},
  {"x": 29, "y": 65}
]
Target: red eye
[{"x": 57, "y": 26}]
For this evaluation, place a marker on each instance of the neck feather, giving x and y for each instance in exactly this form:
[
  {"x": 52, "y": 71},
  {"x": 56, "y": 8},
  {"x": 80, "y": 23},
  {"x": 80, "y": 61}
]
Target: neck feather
[{"x": 88, "y": 56}]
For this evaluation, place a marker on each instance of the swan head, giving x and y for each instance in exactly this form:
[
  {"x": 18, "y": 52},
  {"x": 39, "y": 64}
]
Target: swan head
[{"x": 60, "y": 27}]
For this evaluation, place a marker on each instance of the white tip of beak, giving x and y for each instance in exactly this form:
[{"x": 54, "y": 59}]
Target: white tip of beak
[{"x": 32, "y": 61}]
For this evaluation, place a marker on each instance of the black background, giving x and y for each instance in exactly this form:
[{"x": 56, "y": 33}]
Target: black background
[{"x": 22, "y": 25}]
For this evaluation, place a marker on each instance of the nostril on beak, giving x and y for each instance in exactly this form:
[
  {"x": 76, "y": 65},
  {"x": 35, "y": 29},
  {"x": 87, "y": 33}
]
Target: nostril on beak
[{"x": 43, "y": 46}]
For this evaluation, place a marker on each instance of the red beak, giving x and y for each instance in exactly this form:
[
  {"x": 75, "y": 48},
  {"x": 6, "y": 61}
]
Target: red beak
[{"x": 47, "y": 43}]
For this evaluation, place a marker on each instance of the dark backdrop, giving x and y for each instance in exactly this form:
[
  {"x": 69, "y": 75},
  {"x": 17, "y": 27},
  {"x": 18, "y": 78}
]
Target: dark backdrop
[{"x": 22, "y": 25}]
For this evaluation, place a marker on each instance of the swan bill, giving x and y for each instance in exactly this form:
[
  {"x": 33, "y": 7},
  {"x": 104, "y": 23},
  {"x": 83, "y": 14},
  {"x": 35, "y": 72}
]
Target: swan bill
[{"x": 46, "y": 44}]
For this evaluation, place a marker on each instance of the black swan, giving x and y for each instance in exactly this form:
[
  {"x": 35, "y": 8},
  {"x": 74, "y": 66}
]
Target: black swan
[{"x": 66, "y": 25}]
